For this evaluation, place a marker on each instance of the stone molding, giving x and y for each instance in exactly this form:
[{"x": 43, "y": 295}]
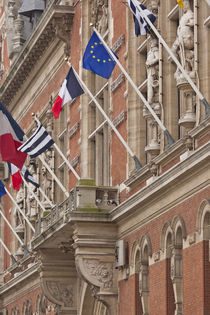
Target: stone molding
[
  {"x": 95, "y": 260},
  {"x": 54, "y": 17},
  {"x": 59, "y": 278}
]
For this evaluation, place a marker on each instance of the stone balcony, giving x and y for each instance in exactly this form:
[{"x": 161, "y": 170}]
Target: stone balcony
[{"x": 85, "y": 198}]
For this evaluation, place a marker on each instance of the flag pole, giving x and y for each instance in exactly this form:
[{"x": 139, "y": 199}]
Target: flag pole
[
  {"x": 37, "y": 199},
  {"x": 67, "y": 162},
  {"x": 136, "y": 160},
  {"x": 23, "y": 214},
  {"x": 54, "y": 176},
  {"x": 187, "y": 77},
  {"x": 170, "y": 139},
  {"x": 11, "y": 228},
  {"x": 62, "y": 155},
  {"x": 51, "y": 172},
  {"x": 8, "y": 252}
]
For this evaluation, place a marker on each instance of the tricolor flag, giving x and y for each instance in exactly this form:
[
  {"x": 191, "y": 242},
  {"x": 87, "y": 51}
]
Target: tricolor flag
[
  {"x": 70, "y": 89},
  {"x": 28, "y": 177},
  {"x": 11, "y": 137},
  {"x": 16, "y": 177},
  {"x": 141, "y": 25},
  {"x": 2, "y": 189},
  {"x": 38, "y": 143},
  {"x": 180, "y": 3}
]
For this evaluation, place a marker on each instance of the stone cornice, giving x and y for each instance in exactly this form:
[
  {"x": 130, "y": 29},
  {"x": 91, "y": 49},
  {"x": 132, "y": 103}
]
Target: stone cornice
[
  {"x": 169, "y": 154},
  {"x": 18, "y": 280},
  {"x": 199, "y": 157},
  {"x": 55, "y": 19}
]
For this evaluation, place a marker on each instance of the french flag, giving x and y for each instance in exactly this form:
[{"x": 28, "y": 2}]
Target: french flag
[
  {"x": 11, "y": 137},
  {"x": 70, "y": 89},
  {"x": 16, "y": 177}
]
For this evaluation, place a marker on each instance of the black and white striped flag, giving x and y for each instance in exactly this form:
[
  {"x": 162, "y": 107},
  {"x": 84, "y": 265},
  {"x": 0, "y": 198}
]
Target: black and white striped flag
[
  {"x": 28, "y": 177},
  {"x": 38, "y": 143},
  {"x": 141, "y": 25}
]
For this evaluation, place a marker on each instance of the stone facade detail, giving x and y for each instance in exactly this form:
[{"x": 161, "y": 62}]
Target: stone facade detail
[
  {"x": 61, "y": 292},
  {"x": 120, "y": 118},
  {"x": 102, "y": 272},
  {"x": 73, "y": 130},
  {"x": 117, "y": 82},
  {"x": 119, "y": 42},
  {"x": 99, "y": 17}
]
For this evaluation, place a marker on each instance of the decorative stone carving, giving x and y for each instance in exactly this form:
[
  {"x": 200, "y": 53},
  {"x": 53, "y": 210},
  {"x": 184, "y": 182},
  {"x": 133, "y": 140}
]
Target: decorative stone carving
[
  {"x": 152, "y": 64},
  {"x": 117, "y": 82},
  {"x": 97, "y": 271},
  {"x": 47, "y": 182},
  {"x": 176, "y": 277},
  {"x": 41, "y": 305},
  {"x": 183, "y": 47},
  {"x": 99, "y": 17},
  {"x": 103, "y": 272},
  {"x": 188, "y": 101},
  {"x": 153, "y": 7},
  {"x": 144, "y": 287},
  {"x": 119, "y": 42},
  {"x": 61, "y": 292},
  {"x": 31, "y": 201}
]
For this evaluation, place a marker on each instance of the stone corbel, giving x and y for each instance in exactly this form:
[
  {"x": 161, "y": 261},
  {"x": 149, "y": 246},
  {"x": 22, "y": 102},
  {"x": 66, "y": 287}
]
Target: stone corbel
[
  {"x": 95, "y": 260},
  {"x": 59, "y": 280},
  {"x": 62, "y": 31}
]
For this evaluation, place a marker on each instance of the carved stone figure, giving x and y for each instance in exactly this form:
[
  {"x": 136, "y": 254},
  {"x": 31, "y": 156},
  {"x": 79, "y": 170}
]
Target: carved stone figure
[
  {"x": 99, "y": 17},
  {"x": 31, "y": 201},
  {"x": 47, "y": 178},
  {"x": 20, "y": 202},
  {"x": 152, "y": 64},
  {"x": 183, "y": 47},
  {"x": 61, "y": 292}
]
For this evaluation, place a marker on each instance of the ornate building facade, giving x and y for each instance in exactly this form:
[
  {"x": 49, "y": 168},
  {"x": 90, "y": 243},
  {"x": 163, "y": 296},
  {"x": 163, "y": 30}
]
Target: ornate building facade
[{"x": 127, "y": 240}]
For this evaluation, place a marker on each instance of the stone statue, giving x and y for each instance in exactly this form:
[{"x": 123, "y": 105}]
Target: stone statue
[
  {"x": 20, "y": 203},
  {"x": 47, "y": 178},
  {"x": 31, "y": 201},
  {"x": 152, "y": 64},
  {"x": 103, "y": 22},
  {"x": 183, "y": 47},
  {"x": 99, "y": 17}
]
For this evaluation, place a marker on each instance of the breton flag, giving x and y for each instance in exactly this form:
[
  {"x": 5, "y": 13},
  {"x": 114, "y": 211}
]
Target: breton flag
[
  {"x": 180, "y": 3},
  {"x": 70, "y": 89},
  {"x": 11, "y": 137},
  {"x": 28, "y": 177},
  {"x": 2, "y": 189},
  {"x": 141, "y": 25},
  {"x": 38, "y": 143},
  {"x": 97, "y": 59},
  {"x": 16, "y": 177}
]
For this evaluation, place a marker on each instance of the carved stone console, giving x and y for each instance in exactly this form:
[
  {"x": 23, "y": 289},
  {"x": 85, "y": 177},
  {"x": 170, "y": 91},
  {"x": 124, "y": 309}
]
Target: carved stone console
[
  {"x": 94, "y": 245},
  {"x": 59, "y": 279}
]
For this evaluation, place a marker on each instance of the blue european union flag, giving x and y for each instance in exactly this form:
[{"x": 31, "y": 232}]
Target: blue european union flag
[
  {"x": 97, "y": 59},
  {"x": 2, "y": 189}
]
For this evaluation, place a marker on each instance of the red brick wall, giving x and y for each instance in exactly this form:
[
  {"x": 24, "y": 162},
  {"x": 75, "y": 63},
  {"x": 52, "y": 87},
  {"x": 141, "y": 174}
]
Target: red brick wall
[
  {"x": 129, "y": 297},
  {"x": 169, "y": 289},
  {"x": 193, "y": 271},
  {"x": 157, "y": 288},
  {"x": 19, "y": 302},
  {"x": 206, "y": 278}
]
